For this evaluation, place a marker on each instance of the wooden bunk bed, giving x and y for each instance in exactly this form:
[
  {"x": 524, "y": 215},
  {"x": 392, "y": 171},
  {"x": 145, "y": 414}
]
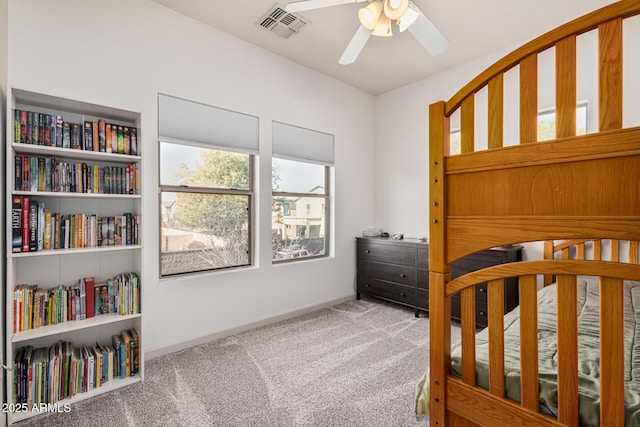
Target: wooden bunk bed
[{"x": 573, "y": 188}]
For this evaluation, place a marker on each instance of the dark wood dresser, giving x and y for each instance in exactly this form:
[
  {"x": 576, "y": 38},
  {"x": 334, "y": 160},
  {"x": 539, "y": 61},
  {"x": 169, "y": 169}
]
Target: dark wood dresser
[{"x": 398, "y": 271}]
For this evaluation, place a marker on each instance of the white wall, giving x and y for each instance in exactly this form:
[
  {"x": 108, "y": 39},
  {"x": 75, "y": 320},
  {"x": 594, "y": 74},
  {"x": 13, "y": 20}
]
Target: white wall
[
  {"x": 122, "y": 53},
  {"x": 402, "y": 124}
]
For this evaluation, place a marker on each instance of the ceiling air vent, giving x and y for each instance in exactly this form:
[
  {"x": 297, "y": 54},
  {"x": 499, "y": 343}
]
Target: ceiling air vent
[{"x": 281, "y": 23}]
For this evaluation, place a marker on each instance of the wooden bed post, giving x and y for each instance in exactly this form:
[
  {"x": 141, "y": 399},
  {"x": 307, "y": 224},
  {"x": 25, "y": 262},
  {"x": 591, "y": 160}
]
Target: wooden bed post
[{"x": 439, "y": 306}]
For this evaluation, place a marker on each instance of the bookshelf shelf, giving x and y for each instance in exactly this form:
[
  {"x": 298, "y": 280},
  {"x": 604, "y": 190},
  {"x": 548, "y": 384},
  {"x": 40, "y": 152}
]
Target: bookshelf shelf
[
  {"x": 75, "y": 251},
  {"x": 70, "y": 326},
  {"x": 75, "y": 195},
  {"x": 107, "y": 387},
  {"x": 63, "y": 282},
  {"x": 67, "y": 153}
]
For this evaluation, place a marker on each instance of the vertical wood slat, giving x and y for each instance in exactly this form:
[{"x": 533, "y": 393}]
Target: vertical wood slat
[
  {"x": 615, "y": 250},
  {"x": 580, "y": 251},
  {"x": 597, "y": 250},
  {"x": 611, "y": 356},
  {"x": 529, "y": 99},
  {"x": 610, "y": 74},
  {"x": 467, "y": 127},
  {"x": 567, "y": 321},
  {"x": 566, "y": 87},
  {"x": 528, "y": 342},
  {"x": 633, "y": 252},
  {"x": 495, "y": 308},
  {"x": 439, "y": 305},
  {"x": 565, "y": 253},
  {"x": 496, "y": 111},
  {"x": 468, "y": 324}
]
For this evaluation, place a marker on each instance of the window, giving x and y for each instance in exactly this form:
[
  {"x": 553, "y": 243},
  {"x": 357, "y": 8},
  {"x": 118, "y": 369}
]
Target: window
[
  {"x": 206, "y": 188},
  {"x": 300, "y": 184},
  {"x": 546, "y": 126},
  {"x": 547, "y": 122}
]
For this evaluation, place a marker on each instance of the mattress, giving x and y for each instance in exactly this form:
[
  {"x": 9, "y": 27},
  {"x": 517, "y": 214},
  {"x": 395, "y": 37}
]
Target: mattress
[{"x": 588, "y": 354}]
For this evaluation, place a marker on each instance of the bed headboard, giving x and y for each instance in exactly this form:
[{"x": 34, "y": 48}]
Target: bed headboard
[{"x": 572, "y": 187}]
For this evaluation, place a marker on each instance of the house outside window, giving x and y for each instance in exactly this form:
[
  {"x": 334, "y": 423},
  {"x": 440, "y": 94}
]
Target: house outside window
[{"x": 301, "y": 193}]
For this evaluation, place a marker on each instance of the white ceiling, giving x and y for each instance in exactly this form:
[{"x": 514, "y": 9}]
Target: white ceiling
[{"x": 474, "y": 28}]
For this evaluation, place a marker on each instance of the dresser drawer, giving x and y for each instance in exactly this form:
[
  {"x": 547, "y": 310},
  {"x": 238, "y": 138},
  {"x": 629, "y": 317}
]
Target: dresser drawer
[
  {"x": 481, "y": 311},
  {"x": 402, "y": 274},
  {"x": 387, "y": 290},
  {"x": 476, "y": 261},
  {"x": 423, "y": 258},
  {"x": 423, "y": 279},
  {"x": 423, "y": 299},
  {"x": 392, "y": 254}
]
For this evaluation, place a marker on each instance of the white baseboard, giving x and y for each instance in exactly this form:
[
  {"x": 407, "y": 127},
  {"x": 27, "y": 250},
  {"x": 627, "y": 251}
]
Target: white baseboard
[{"x": 191, "y": 342}]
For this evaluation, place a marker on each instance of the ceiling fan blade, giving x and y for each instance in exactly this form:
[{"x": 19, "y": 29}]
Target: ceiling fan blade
[
  {"x": 300, "y": 6},
  {"x": 428, "y": 35},
  {"x": 355, "y": 46}
]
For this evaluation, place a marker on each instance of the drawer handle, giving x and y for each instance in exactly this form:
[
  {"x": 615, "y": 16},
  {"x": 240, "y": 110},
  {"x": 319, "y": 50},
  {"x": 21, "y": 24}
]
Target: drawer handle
[
  {"x": 403, "y": 275},
  {"x": 368, "y": 285},
  {"x": 482, "y": 313},
  {"x": 367, "y": 251},
  {"x": 483, "y": 290},
  {"x": 402, "y": 294}
]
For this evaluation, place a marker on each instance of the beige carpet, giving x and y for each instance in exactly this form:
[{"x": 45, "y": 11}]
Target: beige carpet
[{"x": 355, "y": 364}]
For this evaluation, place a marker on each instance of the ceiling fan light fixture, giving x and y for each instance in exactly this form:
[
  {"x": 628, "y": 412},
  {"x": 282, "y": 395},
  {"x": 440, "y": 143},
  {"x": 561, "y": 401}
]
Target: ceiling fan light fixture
[
  {"x": 383, "y": 27},
  {"x": 409, "y": 17},
  {"x": 369, "y": 15},
  {"x": 394, "y": 9}
]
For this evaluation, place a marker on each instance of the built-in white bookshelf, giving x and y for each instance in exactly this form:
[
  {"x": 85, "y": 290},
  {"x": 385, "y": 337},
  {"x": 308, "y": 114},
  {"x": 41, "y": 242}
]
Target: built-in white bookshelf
[{"x": 113, "y": 187}]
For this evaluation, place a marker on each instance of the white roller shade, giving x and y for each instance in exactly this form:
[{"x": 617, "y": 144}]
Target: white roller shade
[
  {"x": 296, "y": 143},
  {"x": 183, "y": 120}
]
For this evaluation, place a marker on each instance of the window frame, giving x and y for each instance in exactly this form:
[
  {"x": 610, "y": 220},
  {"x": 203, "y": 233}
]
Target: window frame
[
  {"x": 326, "y": 211},
  {"x": 250, "y": 192}
]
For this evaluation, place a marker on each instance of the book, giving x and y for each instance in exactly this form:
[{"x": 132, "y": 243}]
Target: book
[
  {"x": 59, "y": 131},
  {"x": 135, "y": 346},
  {"x": 66, "y": 135},
  {"x": 104, "y": 298},
  {"x": 29, "y": 130},
  {"x": 33, "y": 226},
  {"x": 107, "y": 137},
  {"x": 17, "y": 184},
  {"x": 47, "y": 230},
  {"x": 23, "y": 126},
  {"x": 16, "y": 125},
  {"x": 114, "y": 138},
  {"x": 88, "y": 136},
  {"x": 126, "y": 132},
  {"x": 16, "y": 224},
  {"x": 95, "y": 137},
  {"x": 119, "y": 369},
  {"x": 120, "y": 139},
  {"x": 89, "y": 285},
  {"x": 76, "y": 142},
  {"x": 46, "y": 130},
  {"x": 41, "y": 128},
  {"x": 26, "y": 206},
  {"x": 126, "y": 349},
  {"x": 102, "y": 136},
  {"x": 134, "y": 142}
]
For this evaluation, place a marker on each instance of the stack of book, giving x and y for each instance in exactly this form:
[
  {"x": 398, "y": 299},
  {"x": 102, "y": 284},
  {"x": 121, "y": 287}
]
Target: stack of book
[
  {"x": 50, "y": 374},
  {"x": 34, "y": 307},
  {"x": 51, "y": 175},
  {"x": 35, "y": 228},
  {"x": 32, "y": 127}
]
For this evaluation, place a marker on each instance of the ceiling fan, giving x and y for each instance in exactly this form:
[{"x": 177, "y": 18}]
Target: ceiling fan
[{"x": 376, "y": 19}]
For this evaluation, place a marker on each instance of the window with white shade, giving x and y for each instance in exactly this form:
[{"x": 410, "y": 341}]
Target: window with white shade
[
  {"x": 302, "y": 161},
  {"x": 206, "y": 186}
]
